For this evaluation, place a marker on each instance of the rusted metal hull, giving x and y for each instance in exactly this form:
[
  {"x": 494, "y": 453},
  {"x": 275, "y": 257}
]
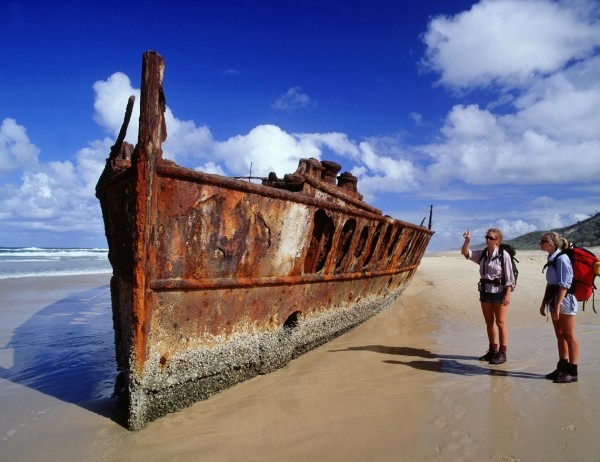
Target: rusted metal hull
[{"x": 216, "y": 280}]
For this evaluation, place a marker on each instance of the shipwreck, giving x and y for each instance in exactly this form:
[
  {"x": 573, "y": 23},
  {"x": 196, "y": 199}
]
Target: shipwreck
[{"x": 217, "y": 279}]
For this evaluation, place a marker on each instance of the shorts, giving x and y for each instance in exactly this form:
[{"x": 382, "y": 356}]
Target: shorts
[
  {"x": 568, "y": 311},
  {"x": 489, "y": 297}
]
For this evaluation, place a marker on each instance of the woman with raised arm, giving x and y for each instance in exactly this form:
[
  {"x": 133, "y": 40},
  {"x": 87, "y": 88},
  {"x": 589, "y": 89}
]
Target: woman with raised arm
[
  {"x": 562, "y": 306},
  {"x": 496, "y": 283}
]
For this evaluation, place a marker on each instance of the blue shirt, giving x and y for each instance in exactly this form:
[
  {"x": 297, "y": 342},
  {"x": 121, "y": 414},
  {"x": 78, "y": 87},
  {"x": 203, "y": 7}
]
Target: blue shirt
[{"x": 561, "y": 275}]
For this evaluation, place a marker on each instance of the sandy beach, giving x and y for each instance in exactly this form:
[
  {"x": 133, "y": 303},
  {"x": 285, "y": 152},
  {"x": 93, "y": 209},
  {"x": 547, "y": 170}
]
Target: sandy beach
[{"x": 404, "y": 386}]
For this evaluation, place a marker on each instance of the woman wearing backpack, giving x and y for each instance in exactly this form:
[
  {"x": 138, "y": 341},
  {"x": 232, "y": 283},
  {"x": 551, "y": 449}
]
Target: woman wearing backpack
[
  {"x": 562, "y": 307},
  {"x": 497, "y": 281}
]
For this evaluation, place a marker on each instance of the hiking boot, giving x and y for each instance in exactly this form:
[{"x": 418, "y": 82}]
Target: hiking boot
[
  {"x": 561, "y": 367},
  {"x": 499, "y": 358},
  {"x": 565, "y": 378},
  {"x": 488, "y": 356}
]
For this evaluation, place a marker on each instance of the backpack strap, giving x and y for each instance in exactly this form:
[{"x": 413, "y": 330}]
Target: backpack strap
[
  {"x": 500, "y": 255},
  {"x": 593, "y": 299},
  {"x": 553, "y": 262}
]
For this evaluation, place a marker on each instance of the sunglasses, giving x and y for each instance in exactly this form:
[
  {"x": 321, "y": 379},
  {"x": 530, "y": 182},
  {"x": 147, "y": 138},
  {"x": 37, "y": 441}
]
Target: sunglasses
[
  {"x": 490, "y": 238},
  {"x": 543, "y": 242}
]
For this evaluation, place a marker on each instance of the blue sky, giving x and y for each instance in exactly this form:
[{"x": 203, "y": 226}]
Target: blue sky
[{"x": 488, "y": 110}]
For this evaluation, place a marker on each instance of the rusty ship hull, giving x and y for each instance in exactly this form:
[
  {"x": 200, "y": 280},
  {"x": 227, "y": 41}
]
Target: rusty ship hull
[{"x": 216, "y": 280}]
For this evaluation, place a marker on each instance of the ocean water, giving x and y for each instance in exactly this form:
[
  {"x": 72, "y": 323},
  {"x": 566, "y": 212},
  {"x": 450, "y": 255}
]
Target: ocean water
[
  {"x": 56, "y": 333},
  {"x": 18, "y": 262}
]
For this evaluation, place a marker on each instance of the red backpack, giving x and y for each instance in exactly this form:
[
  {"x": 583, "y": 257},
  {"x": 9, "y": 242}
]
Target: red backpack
[{"x": 583, "y": 262}]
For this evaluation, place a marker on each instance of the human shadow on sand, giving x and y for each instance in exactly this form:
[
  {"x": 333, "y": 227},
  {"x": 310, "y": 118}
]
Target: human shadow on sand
[
  {"x": 403, "y": 351},
  {"x": 66, "y": 350},
  {"x": 449, "y": 364}
]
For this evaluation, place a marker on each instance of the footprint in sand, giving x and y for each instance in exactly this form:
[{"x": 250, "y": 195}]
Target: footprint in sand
[
  {"x": 441, "y": 422},
  {"x": 560, "y": 444},
  {"x": 515, "y": 435},
  {"x": 12, "y": 431},
  {"x": 460, "y": 411},
  {"x": 507, "y": 459}
]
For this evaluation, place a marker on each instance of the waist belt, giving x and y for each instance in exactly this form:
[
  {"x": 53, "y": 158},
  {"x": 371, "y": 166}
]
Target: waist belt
[
  {"x": 483, "y": 282},
  {"x": 496, "y": 282}
]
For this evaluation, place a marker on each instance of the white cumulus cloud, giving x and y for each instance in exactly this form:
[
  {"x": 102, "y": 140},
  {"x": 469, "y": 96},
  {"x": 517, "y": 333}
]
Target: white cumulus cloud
[
  {"x": 509, "y": 41},
  {"x": 16, "y": 150}
]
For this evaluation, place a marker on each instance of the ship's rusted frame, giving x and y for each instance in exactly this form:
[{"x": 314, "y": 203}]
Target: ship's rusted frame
[{"x": 216, "y": 280}]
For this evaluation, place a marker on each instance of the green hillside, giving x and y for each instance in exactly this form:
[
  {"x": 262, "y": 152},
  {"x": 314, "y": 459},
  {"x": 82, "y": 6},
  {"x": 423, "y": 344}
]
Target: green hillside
[{"x": 584, "y": 233}]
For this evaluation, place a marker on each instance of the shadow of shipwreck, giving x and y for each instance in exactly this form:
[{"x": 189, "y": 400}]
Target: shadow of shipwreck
[{"x": 66, "y": 350}]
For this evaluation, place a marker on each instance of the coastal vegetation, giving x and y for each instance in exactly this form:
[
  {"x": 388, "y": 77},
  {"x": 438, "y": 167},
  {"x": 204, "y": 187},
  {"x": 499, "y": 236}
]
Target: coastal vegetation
[{"x": 584, "y": 233}]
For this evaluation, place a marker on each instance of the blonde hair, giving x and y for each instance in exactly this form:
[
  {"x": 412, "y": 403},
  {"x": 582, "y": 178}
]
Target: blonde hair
[
  {"x": 499, "y": 235},
  {"x": 556, "y": 239}
]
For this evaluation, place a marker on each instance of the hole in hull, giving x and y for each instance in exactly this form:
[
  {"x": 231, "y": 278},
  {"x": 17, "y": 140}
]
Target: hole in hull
[{"x": 292, "y": 321}]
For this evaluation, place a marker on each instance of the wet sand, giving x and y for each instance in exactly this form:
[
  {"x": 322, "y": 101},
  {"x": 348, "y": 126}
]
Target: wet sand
[{"x": 404, "y": 386}]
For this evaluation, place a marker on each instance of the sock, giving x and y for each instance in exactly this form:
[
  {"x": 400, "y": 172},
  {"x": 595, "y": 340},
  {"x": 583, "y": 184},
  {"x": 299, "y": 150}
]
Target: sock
[
  {"x": 572, "y": 369},
  {"x": 494, "y": 346},
  {"x": 562, "y": 365},
  {"x": 503, "y": 348}
]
